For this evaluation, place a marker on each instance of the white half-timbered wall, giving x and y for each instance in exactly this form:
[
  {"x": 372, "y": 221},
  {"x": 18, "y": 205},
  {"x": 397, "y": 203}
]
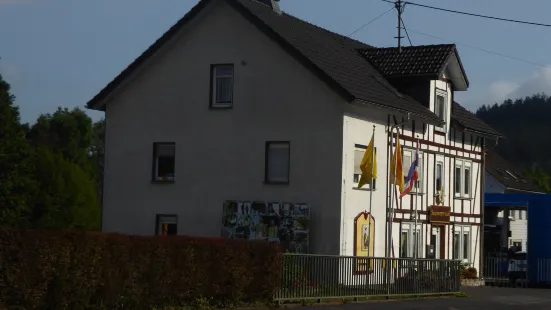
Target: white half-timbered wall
[{"x": 460, "y": 154}]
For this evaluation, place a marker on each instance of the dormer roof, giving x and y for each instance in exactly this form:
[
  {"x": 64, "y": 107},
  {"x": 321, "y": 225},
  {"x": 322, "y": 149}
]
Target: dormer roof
[{"x": 430, "y": 61}]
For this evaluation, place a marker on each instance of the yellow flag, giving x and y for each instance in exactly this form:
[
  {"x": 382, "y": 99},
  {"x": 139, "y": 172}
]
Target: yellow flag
[
  {"x": 396, "y": 166},
  {"x": 368, "y": 161}
]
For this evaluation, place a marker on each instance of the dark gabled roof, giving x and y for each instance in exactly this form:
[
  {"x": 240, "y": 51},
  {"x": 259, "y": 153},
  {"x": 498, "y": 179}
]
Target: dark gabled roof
[
  {"x": 468, "y": 120},
  {"x": 508, "y": 175},
  {"x": 423, "y": 60},
  {"x": 332, "y": 56}
]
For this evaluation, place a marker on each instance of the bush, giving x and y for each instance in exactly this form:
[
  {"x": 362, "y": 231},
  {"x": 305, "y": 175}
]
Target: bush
[
  {"x": 468, "y": 272},
  {"x": 77, "y": 270}
]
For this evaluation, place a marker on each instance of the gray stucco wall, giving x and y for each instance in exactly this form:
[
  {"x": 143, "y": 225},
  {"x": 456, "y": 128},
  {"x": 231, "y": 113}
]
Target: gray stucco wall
[{"x": 220, "y": 153}]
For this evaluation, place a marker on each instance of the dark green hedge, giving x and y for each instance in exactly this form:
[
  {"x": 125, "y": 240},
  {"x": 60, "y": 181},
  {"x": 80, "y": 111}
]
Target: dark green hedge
[{"x": 77, "y": 270}]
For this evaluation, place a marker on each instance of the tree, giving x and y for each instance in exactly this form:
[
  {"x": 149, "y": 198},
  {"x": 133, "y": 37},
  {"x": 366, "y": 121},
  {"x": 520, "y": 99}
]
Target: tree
[
  {"x": 66, "y": 170},
  {"x": 67, "y": 196},
  {"x": 17, "y": 188},
  {"x": 69, "y": 132}
]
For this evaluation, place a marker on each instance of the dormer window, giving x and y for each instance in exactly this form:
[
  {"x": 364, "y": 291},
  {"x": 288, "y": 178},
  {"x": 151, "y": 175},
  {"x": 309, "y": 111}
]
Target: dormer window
[{"x": 440, "y": 108}]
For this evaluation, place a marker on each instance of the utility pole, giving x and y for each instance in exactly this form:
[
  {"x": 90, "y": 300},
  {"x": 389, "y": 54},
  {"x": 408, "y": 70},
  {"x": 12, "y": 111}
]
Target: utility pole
[{"x": 399, "y": 8}]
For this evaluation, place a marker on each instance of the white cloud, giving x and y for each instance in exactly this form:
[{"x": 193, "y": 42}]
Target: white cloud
[
  {"x": 501, "y": 90},
  {"x": 539, "y": 82}
]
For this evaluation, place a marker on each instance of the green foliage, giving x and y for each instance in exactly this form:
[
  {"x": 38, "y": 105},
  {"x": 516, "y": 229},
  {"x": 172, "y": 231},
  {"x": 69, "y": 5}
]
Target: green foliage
[
  {"x": 67, "y": 196},
  {"x": 50, "y": 172},
  {"x": 79, "y": 270},
  {"x": 16, "y": 185},
  {"x": 525, "y": 124}
]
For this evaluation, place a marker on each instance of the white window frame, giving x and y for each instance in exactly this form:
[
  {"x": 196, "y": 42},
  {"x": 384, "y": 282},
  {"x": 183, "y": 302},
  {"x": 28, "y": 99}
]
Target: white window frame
[
  {"x": 408, "y": 229},
  {"x": 163, "y": 219},
  {"x": 461, "y": 230},
  {"x": 439, "y": 161},
  {"x": 513, "y": 241},
  {"x": 215, "y": 75},
  {"x": 156, "y": 175},
  {"x": 409, "y": 152},
  {"x": 443, "y": 94},
  {"x": 463, "y": 166},
  {"x": 355, "y": 176}
]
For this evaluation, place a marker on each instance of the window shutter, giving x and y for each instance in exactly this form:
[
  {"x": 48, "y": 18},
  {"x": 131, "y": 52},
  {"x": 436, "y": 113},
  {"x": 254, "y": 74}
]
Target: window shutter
[{"x": 278, "y": 162}]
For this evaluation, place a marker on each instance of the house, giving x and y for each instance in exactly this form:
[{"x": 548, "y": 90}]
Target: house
[
  {"x": 245, "y": 121},
  {"x": 506, "y": 227}
]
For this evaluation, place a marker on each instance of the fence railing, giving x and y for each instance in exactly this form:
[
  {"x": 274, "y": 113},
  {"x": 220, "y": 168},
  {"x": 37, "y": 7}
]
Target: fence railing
[
  {"x": 513, "y": 270},
  {"x": 319, "y": 277}
]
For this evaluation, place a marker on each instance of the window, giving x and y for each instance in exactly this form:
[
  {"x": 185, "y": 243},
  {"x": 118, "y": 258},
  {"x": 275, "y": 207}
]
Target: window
[
  {"x": 358, "y": 156},
  {"x": 277, "y": 162},
  {"x": 463, "y": 178},
  {"x": 221, "y": 86},
  {"x": 513, "y": 214},
  {"x": 163, "y": 161},
  {"x": 462, "y": 243},
  {"x": 407, "y": 240},
  {"x": 520, "y": 214},
  {"x": 407, "y": 159},
  {"x": 440, "y": 108},
  {"x": 518, "y": 245},
  {"x": 167, "y": 225},
  {"x": 439, "y": 178}
]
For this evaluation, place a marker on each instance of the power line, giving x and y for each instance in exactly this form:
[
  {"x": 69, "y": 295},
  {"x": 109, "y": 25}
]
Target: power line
[
  {"x": 481, "y": 49},
  {"x": 476, "y": 15},
  {"x": 369, "y": 22},
  {"x": 407, "y": 34}
]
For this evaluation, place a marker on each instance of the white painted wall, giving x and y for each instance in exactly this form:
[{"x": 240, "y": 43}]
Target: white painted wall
[
  {"x": 357, "y": 129},
  {"x": 220, "y": 153}
]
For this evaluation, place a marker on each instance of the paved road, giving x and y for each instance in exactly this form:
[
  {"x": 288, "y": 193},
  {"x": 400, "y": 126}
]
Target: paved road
[{"x": 484, "y": 298}]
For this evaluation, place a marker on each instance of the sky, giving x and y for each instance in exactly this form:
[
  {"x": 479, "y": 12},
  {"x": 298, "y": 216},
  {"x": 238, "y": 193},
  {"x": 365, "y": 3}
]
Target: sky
[{"x": 63, "y": 52}]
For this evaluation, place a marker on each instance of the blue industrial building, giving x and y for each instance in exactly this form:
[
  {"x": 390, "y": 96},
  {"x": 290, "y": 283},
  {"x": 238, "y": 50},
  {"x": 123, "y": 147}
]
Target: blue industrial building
[{"x": 538, "y": 208}]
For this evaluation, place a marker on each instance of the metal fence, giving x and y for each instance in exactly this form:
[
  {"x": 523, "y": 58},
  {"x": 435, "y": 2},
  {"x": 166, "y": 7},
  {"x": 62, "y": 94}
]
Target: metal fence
[
  {"x": 320, "y": 276},
  {"x": 512, "y": 270}
]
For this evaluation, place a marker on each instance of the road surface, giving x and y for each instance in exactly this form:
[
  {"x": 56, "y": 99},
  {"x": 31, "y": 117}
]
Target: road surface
[{"x": 480, "y": 298}]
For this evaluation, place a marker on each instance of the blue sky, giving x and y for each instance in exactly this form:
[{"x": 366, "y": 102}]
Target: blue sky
[{"x": 62, "y": 52}]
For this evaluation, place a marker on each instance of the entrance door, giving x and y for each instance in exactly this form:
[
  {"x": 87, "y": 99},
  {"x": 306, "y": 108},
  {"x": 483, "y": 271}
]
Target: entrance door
[{"x": 435, "y": 241}]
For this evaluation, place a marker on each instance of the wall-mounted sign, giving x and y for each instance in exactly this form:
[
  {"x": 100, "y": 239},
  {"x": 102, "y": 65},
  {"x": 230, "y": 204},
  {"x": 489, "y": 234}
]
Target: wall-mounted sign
[
  {"x": 440, "y": 215},
  {"x": 283, "y": 222},
  {"x": 364, "y": 242}
]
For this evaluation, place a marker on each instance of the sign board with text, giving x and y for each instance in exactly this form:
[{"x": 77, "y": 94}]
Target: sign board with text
[{"x": 440, "y": 215}]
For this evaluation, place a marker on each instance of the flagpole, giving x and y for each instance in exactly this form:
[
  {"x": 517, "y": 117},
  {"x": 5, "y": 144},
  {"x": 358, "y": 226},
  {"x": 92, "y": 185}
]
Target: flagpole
[
  {"x": 416, "y": 212},
  {"x": 391, "y": 210},
  {"x": 371, "y": 198}
]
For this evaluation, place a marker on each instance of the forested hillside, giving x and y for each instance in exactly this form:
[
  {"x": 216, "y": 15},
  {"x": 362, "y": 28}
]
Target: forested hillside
[{"x": 526, "y": 125}]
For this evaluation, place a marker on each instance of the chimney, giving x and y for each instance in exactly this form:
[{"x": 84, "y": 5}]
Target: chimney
[{"x": 273, "y": 4}]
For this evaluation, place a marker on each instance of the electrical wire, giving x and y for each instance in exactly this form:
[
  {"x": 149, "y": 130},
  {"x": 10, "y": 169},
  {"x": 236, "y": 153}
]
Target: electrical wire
[
  {"x": 369, "y": 22},
  {"x": 407, "y": 34},
  {"x": 473, "y": 14},
  {"x": 481, "y": 49}
]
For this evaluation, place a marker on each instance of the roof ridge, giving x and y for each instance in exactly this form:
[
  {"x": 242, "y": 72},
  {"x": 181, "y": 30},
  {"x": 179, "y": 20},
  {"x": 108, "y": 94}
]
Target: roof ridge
[
  {"x": 324, "y": 29},
  {"x": 415, "y": 46}
]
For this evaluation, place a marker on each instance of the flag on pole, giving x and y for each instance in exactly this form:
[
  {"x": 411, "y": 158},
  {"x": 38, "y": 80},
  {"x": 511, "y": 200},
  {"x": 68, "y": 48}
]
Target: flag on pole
[
  {"x": 368, "y": 164},
  {"x": 396, "y": 167},
  {"x": 413, "y": 175}
]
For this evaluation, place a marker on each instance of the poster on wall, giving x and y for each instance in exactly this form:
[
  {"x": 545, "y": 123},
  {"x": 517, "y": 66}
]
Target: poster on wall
[
  {"x": 364, "y": 243},
  {"x": 282, "y": 222}
]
